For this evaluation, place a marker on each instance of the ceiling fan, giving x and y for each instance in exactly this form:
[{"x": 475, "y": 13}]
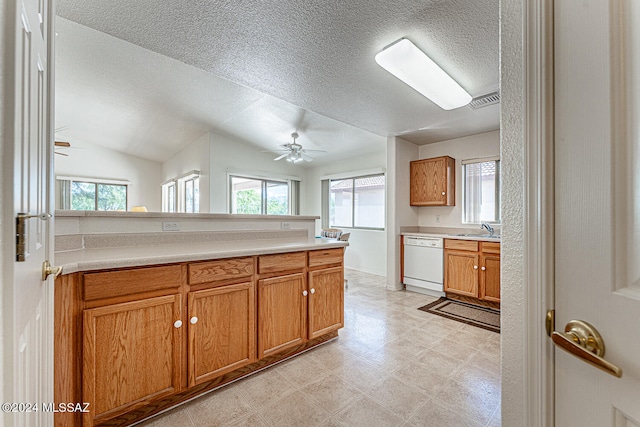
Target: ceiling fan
[
  {"x": 61, "y": 144},
  {"x": 294, "y": 153}
]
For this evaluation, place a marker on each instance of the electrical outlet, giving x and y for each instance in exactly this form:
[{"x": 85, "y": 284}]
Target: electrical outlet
[
  {"x": 438, "y": 219},
  {"x": 285, "y": 225},
  {"x": 170, "y": 226}
]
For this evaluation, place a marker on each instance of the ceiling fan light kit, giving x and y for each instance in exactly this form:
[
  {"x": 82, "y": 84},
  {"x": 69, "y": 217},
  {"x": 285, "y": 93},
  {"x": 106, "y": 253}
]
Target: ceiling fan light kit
[
  {"x": 408, "y": 63},
  {"x": 294, "y": 153}
]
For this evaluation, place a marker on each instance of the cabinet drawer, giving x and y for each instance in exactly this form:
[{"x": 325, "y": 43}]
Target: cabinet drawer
[
  {"x": 461, "y": 245},
  {"x": 490, "y": 247},
  {"x": 225, "y": 269},
  {"x": 281, "y": 262},
  {"x": 127, "y": 282},
  {"x": 324, "y": 257}
]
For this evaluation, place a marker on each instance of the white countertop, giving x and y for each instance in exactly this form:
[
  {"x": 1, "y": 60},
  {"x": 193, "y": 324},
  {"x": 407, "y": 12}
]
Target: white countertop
[
  {"x": 452, "y": 236},
  {"x": 105, "y": 258}
]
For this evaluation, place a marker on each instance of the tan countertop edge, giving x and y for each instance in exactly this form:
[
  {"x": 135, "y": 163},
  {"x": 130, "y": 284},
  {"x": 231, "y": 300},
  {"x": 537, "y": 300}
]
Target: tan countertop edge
[
  {"x": 107, "y": 258},
  {"x": 236, "y": 217}
]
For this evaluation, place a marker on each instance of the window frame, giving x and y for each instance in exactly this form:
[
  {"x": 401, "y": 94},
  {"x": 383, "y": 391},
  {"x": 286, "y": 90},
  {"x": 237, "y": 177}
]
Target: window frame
[
  {"x": 292, "y": 189},
  {"x": 66, "y": 204},
  {"x": 498, "y": 189},
  {"x": 353, "y": 201},
  {"x": 179, "y": 184}
]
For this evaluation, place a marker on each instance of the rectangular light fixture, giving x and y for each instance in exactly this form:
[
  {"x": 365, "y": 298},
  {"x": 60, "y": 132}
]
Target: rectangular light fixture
[{"x": 408, "y": 63}]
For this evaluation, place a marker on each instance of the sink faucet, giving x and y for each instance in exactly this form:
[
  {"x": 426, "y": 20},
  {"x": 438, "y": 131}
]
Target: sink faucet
[{"x": 488, "y": 227}]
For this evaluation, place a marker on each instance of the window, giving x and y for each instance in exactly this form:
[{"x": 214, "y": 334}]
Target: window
[
  {"x": 481, "y": 190},
  {"x": 182, "y": 194},
  {"x": 262, "y": 196},
  {"x": 86, "y": 194},
  {"x": 357, "y": 202},
  {"x": 169, "y": 197}
]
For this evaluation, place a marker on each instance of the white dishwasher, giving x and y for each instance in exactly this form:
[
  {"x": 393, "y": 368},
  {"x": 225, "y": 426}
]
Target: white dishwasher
[{"x": 423, "y": 265}]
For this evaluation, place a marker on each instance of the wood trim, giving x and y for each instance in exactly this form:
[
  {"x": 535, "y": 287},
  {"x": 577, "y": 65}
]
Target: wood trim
[
  {"x": 476, "y": 301},
  {"x": 401, "y": 259},
  {"x": 67, "y": 335}
]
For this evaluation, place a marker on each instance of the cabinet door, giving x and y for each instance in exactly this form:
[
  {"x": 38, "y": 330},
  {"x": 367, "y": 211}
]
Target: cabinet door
[
  {"x": 432, "y": 182},
  {"x": 326, "y": 301},
  {"x": 461, "y": 273},
  {"x": 490, "y": 278},
  {"x": 282, "y": 311},
  {"x": 221, "y": 331},
  {"x": 132, "y": 354}
]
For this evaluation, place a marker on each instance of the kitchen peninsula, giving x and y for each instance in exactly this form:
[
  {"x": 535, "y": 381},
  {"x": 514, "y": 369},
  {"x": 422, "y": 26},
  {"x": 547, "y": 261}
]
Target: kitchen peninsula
[{"x": 146, "y": 319}]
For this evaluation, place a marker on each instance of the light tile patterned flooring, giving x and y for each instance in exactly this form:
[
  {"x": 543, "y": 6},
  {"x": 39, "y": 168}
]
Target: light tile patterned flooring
[{"x": 392, "y": 365}]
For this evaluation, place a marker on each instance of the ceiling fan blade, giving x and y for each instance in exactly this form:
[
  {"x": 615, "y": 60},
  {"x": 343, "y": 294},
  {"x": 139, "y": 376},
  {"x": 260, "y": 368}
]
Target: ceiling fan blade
[
  {"x": 62, "y": 154},
  {"x": 306, "y": 158},
  {"x": 313, "y": 151},
  {"x": 281, "y": 157},
  {"x": 62, "y": 144}
]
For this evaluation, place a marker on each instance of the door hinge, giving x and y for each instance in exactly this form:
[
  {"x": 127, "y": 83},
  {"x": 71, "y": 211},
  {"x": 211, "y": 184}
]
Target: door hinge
[{"x": 21, "y": 233}]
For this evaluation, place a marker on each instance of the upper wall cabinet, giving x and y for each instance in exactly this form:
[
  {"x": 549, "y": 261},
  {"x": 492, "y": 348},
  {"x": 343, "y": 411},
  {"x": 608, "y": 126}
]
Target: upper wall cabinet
[{"x": 433, "y": 182}]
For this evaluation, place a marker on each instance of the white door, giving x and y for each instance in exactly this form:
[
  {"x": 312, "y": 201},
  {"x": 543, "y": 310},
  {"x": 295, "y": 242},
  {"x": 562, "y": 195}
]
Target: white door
[
  {"x": 27, "y": 300},
  {"x": 597, "y": 207}
]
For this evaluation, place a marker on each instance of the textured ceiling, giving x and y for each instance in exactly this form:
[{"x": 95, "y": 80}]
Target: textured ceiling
[{"x": 235, "y": 62}]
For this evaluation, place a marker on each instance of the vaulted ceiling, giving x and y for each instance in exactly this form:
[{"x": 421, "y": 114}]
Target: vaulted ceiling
[{"x": 147, "y": 77}]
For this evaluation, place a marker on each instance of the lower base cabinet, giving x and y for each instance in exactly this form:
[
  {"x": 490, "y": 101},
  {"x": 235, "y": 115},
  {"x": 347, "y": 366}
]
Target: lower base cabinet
[
  {"x": 221, "y": 331},
  {"x": 472, "y": 269},
  {"x": 282, "y": 308},
  {"x": 131, "y": 355},
  {"x": 155, "y": 334},
  {"x": 326, "y": 301}
]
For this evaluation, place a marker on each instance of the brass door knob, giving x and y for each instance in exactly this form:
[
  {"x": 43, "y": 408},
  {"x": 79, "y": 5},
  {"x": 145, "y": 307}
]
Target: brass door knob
[
  {"x": 585, "y": 342},
  {"x": 47, "y": 270}
]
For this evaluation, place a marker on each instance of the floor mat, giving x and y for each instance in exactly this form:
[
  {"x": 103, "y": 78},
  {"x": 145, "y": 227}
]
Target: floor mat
[{"x": 482, "y": 317}]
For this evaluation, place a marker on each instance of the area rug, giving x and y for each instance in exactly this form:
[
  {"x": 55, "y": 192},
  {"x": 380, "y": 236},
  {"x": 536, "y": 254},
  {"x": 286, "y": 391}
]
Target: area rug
[{"x": 482, "y": 317}]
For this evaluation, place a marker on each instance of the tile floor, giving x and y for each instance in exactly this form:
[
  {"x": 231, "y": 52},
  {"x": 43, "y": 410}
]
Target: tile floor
[{"x": 392, "y": 365}]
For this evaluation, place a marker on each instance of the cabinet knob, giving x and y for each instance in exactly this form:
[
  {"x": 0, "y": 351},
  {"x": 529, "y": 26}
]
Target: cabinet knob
[
  {"x": 194, "y": 320},
  {"x": 483, "y": 268},
  {"x": 313, "y": 291},
  {"x": 305, "y": 293},
  {"x": 177, "y": 324},
  {"x": 475, "y": 267},
  {"x": 443, "y": 193}
]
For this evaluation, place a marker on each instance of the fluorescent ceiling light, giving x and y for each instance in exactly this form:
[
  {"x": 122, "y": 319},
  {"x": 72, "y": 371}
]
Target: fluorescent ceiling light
[{"x": 408, "y": 63}]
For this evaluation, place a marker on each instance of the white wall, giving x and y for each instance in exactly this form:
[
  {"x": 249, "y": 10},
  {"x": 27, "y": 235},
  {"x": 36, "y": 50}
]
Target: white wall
[
  {"x": 470, "y": 147},
  {"x": 514, "y": 282},
  {"x": 367, "y": 249},
  {"x": 93, "y": 161},
  {"x": 399, "y": 212},
  {"x": 193, "y": 157},
  {"x": 229, "y": 155}
]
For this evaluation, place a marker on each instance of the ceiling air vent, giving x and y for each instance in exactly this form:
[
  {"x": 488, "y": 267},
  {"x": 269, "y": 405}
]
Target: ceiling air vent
[{"x": 485, "y": 100}]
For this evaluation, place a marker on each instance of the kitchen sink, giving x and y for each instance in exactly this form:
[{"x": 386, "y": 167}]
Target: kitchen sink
[{"x": 484, "y": 236}]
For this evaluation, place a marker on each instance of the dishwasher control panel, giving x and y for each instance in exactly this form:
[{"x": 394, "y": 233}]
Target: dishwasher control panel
[{"x": 423, "y": 241}]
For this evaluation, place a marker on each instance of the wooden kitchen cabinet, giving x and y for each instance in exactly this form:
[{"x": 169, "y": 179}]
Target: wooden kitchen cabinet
[
  {"x": 326, "y": 301},
  {"x": 282, "y": 313},
  {"x": 135, "y": 341},
  {"x": 222, "y": 331},
  {"x": 432, "y": 182},
  {"x": 131, "y": 355},
  {"x": 472, "y": 269}
]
